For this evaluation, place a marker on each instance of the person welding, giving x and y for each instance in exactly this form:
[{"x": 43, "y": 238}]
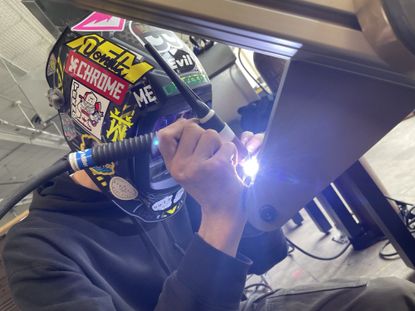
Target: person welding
[{"x": 165, "y": 229}]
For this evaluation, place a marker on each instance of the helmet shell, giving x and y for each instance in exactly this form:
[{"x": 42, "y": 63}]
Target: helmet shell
[{"x": 112, "y": 89}]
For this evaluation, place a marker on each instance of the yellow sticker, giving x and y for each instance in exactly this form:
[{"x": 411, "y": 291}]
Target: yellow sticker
[
  {"x": 59, "y": 71},
  {"x": 172, "y": 210},
  {"x": 107, "y": 169},
  {"x": 111, "y": 56},
  {"x": 84, "y": 141},
  {"x": 120, "y": 123}
]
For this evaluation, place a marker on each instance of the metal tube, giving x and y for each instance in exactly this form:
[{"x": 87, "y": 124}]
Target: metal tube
[
  {"x": 17, "y": 103},
  {"x": 33, "y": 130}
]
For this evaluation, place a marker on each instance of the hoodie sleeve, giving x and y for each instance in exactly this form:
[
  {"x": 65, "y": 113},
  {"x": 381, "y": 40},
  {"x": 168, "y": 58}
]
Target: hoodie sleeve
[
  {"x": 47, "y": 280},
  {"x": 206, "y": 280},
  {"x": 265, "y": 249}
]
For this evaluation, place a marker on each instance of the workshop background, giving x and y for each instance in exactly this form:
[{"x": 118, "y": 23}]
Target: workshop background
[{"x": 31, "y": 140}]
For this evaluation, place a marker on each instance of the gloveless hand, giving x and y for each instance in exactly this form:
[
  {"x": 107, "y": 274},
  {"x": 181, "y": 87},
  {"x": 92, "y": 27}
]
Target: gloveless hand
[{"x": 204, "y": 165}]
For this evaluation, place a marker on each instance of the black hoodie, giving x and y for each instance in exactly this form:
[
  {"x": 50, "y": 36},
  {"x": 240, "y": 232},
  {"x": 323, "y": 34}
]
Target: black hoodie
[{"x": 78, "y": 251}]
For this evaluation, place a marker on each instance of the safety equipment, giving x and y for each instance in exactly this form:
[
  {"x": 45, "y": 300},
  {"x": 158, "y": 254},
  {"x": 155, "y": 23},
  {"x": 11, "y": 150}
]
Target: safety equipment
[{"x": 107, "y": 88}]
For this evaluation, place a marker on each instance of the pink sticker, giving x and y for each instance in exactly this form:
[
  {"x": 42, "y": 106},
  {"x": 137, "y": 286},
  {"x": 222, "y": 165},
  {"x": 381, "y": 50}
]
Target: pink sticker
[{"x": 100, "y": 22}]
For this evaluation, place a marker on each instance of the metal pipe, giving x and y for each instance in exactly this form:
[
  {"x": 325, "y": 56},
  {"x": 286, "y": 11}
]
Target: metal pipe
[
  {"x": 18, "y": 104},
  {"x": 265, "y": 29},
  {"x": 34, "y": 130},
  {"x": 16, "y": 138}
]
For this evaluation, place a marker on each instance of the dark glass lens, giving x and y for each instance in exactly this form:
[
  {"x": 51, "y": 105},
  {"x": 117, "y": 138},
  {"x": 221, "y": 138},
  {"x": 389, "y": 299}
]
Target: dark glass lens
[{"x": 164, "y": 121}]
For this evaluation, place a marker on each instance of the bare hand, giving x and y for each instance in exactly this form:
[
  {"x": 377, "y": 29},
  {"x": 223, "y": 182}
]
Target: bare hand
[
  {"x": 204, "y": 166},
  {"x": 252, "y": 141}
]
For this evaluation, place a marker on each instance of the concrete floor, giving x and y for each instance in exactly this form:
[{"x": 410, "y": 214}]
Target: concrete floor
[{"x": 393, "y": 160}]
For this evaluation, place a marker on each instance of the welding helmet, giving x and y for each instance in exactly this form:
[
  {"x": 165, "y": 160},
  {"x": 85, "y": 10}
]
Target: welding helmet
[{"x": 107, "y": 88}]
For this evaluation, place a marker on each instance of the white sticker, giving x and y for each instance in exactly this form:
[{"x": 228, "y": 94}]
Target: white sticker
[
  {"x": 145, "y": 96},
  {"x": 88, "y": 108},
  {"x": 122, "y": 189},
  {"x": 162, "y": 204},
  {"x": 178, "y": 195},
  {"x": 162, "y": 40}
]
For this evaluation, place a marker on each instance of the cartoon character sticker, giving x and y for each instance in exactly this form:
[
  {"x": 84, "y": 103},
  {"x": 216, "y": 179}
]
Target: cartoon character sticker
[{"x": 88, "y": 108}]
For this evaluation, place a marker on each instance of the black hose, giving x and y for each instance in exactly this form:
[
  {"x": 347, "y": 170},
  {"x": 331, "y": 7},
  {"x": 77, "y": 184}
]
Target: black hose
[
  {"x": 127, "y": 148},
  {"x": 101, "y": 154},
  {"x": 59, "y": 167},
  {"x": 295, "y": 246}
]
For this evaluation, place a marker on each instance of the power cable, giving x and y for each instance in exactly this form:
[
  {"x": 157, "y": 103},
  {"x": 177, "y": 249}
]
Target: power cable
[
  {"x": 387, "y": 256},
  {"x": 406, "y": 211},
  {"x": 295, "y": 246}
]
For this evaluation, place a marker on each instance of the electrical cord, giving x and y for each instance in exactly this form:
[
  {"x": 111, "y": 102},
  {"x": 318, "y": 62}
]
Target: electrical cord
[
  {"x": 256, "y": 285},
  {"x": 75, "y": 161},
  {"x": 387, "y": 256},
  {"x": 399, "y": 202},
  {"x": 58, "y": 168},
  {"x": 409, "y": 219},
  {"x": 295, "y": 246},
  {"x": 250, "y": 74}
]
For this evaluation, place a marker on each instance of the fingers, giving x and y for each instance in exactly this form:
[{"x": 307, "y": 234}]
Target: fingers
[
  {"x": 208, "y": 144},
  {"x": 189, "y": 139},
  {"x": 254, "y": 142},
  {"x": 227, "y": 153},
  {"x": 169, "y": 138},
  {"x": 246, "y": 136}
]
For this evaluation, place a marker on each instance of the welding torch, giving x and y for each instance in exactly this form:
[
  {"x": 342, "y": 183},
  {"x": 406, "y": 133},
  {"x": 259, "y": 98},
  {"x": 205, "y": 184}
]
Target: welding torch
[{"x": 208, "y": 119}]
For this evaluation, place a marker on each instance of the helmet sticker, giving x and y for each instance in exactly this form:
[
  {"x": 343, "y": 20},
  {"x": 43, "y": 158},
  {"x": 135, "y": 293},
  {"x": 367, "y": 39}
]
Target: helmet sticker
[
  {"x": 96, "y": 77},
  {"x": 88, "y": 141},
  {"x": 100, "y": 22},
  {"x": 178, "y": 196},
  {"x": 111, "y": 56},
  {"x": 121, "y": 121},
  {"x": 100, "y": 173},
  {"x": 68, "y": 127},
  {"x": 162, "y": 40},
  {"x": 122, "y": 189},
  {"x": 168, "y": 44},
  {"x": 145, "y": 96},
  {"x": 170, "y": 211},
  {"x": 192, "y": 80},
  {"x": 107, "y": 169},
  {"x": 51, "y": 67},
  {"x": 180, "y": 61},
  {"x": 88, "y": 108},
  {"x": 163, "y": 204},
  {"x": 57, "y": 71}
]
